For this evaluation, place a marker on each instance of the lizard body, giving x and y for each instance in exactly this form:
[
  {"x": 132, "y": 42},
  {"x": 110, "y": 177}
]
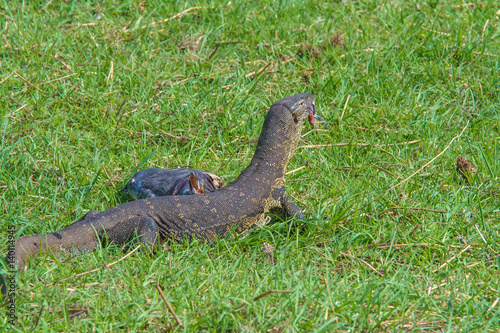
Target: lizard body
[{"x": 239, "y": 206}]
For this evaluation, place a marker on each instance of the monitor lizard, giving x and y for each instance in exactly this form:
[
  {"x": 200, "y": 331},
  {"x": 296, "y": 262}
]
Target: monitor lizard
[{"x": 237, "y": 207}]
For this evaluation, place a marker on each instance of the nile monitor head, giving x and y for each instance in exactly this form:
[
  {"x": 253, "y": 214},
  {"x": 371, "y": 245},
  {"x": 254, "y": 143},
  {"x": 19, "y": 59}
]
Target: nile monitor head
[
  {"x": 282, "y": 127},
  {"x": 300, "y": 107}
]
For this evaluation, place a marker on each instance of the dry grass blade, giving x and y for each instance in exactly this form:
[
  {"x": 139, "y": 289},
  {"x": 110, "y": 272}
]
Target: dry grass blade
[
  {"x": 7, "y": 77},
  {"x": 77, "y": 312},
  {"x": 58, "y": 79},
  {"x": 169, "y": 306},
  {"x": 91, "y": 24},
  {"x": 45, "y": 7},
  {"x": 29, "y": 83},
  {"x": 421, "y": 168},
  {"x": 301, "y": 179},
  {"x": 389, "y": 153},
  {"x": 486, "y": 54},
  {"x": 480, "y": 234},
  {"x": 495, "y": 302},
  {"x": 436, "y": 32},
  {"x": 414, "y": 208},
  {"x": 295, "y": 170},
  {"x": 359, "y": 144},
  {"x": 329, "y": 298},
  {"x": 154, "y": 24},
  {"x": 449, "y": 260},
  {"x": 384, "y": 170},
  {"x": 353, "y": 257},
  {"x": 111, "y": 73},
  {"x": 38, "y": 318},
  {"x": 259, "y": 71},
  {"x": 364, "y": 262},
  {"x": 219, "y": 45},
  {"x": 388, "y": 210},
  {"x": 269, "y": 292},
  {"x": 168, "y": 135},
  {"x": 182, "y": 139},
  {"x": 224, "y": 163},
  {"x": 389, "y": 245},
  {"x": 98, "y": 269},
  {"x": 119, "y": 113},
  {"x": 345, "y": 107}
]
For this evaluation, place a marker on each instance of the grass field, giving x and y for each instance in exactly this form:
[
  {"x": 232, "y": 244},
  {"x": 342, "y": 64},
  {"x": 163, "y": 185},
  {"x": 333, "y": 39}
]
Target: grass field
[{"x": 90, "y": 92}]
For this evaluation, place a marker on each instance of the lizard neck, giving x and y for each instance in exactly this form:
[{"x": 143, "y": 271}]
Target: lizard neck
[{"x": 277, "y": 143}]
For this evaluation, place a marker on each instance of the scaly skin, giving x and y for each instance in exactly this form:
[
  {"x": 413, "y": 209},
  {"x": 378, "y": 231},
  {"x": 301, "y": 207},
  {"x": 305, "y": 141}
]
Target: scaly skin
[{"x": 238, "y": 206}]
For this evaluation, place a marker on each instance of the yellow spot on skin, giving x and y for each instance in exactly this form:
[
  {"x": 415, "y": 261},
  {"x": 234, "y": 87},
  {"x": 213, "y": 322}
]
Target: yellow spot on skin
[
  {"x": 178, "y": 205},
  {"x": 151, "y": 207},
  {"x": 207, "y": 201},
  {"x": 242, "y": 194},
  {"x": 213, "y": 210},
  {"x": 181, "y": 216}
]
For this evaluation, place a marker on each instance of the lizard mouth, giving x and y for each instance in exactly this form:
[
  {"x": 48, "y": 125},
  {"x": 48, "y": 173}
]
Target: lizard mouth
[{"x": 313, "y": 116}]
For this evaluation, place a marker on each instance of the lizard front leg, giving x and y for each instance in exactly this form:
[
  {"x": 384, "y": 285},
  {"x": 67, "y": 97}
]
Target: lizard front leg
[
  {"x": 291, "y": 208},
  {"x": 145, "y": 226}
]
